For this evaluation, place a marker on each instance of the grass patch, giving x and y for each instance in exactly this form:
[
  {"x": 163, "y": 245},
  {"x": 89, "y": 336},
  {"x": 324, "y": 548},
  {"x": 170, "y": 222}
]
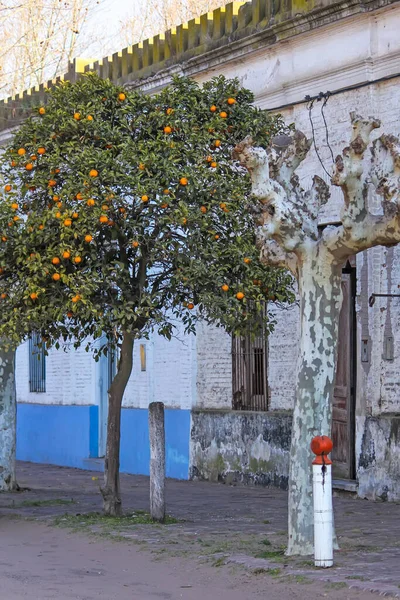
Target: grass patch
[
  {"x": 277, "y": 555},
  {"x": 107, "y": 522},
  {"x": 359, "y": 577},
  {"x": 267, "y": 522},
  {"x": 53, "y": 502},
  {"x": 273, "y": 572},
  {"x": 336, "y": 585},
  {"x": 219, "y": 562},
  {"x": 266, "y": 542}
]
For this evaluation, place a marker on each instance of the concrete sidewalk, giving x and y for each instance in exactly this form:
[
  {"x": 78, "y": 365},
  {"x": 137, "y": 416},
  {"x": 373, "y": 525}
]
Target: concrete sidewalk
[{"x": 218, "y": 524}]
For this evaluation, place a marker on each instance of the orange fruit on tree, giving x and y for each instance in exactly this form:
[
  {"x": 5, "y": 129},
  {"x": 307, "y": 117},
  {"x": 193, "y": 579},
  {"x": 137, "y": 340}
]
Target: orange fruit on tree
[
  {"x": 79, "y": 196},
  {"x": 223, "y": 114},
  {"x": 70, "y": 314},
  {"x": 135, "y": 244},
  {"x": 58, "y": 215},
  {"x": 223, "y": 205},
  {"x": 88, "y": 238},
  {"x": 66, "y": 254},
  {"x": 55, "y": 260},
  {"x": 184, "y": 221},
  {"x": 121, "y": 97},
  {"x": 110, "y": 222},
  {"x": 247, "y": 260},
  {"x": 56, "y": 198},
  {"x": 213, "y": 108},
  {"x": 76, "y": 298},
  {"x": 216, "y": 236},
  {"x": 103, "y": 219},
  {"x": 41, "y": 150},
  {"x": 166, "y": 192},
  {"x": 240, "y": 295},
  {"x": 203, "y": 209},
  {"x": 122, "y": 209},
  {"x": 231, "y": 101},
  {"x": 77, "y": 259},
  {"x": 142, "y": 167},
  {"x": 56, "y": 276},
  {"x": 57, "y": 170},
  {"x": 42, "y": 110},
  {"x": 190, "y": 306},
  {"x": 41, "y": 227},
  {"x": 33, "y": 157},
  {"x": 209, "y": 159},
  {"x": 13, "y": 163},
  {"x": 4, "y": 238},
  {"x": 145, "y": 198},
  {"x": 89, "y": 118},
  {"x": 8, "y": 188},
  {"x": 77, "y": 116},
  {"x": 33, "y": 296},
  {"x": 21, "y": 151},
  {"x": 225, "y": 287},
  {"x": 3, "y": 295},
  {"x": 93, "y": 173},
  {"x": 75, "y": 215},
  {"x": 16, "y": 218},
  {"x": 169, "y": 111},
  {"x": 214, "y": 165},
  {"x": 52, "y": 183},
  {"x": 183, "y": 181},
  {"x": 67, "y": 222},
  {"x": 164, "y": 205},
  {"x": 14, "y": 206},
  {"x": 29, "y": 167},
  {"x": 1, "y": 270},
  {"x": 217, "y": 143},
  {"x": 167, "y": 130},
  {"x": 105, "y": 207}
]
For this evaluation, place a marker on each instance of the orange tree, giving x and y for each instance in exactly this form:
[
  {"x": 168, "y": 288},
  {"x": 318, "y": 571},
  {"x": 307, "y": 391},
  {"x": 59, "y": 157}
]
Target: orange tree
[{"x": 123, "y": 212}]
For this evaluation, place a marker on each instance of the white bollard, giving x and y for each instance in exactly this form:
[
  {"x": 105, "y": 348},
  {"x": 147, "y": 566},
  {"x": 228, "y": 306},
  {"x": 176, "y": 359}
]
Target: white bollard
[{"x": 322, "y": 495}]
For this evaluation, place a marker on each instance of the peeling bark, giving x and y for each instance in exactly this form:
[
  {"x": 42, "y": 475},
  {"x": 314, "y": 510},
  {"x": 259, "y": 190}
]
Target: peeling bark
[
  {"x": 111, "y": 490},
  {"x": 8, "y": 421},
  {"x": 287, "y": 235}
]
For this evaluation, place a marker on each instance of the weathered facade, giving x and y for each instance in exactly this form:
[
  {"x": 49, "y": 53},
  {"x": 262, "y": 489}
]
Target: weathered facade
[{"x": 283, "y": 52}]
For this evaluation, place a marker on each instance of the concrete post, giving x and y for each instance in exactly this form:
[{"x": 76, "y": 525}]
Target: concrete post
[
  {"x": 157, "y": 461},
  {"x": 322, "y": 496}
]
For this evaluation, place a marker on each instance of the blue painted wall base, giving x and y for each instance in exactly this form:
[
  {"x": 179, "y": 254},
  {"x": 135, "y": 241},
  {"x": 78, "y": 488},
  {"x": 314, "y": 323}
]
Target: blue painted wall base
[{"x": 68, "y": 436}]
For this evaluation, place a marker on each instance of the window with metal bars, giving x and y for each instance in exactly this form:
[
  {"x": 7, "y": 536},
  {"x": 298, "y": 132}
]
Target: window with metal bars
[
  {"x": 37, "y": 364},
  {"x": 249, "y": 372}
]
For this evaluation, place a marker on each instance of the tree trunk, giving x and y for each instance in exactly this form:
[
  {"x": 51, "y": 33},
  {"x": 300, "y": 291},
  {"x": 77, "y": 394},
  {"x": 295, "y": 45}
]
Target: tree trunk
[
  {"x": 320, "y": 303},
  {"x": 157, "y": 461},
  {"x": 111, "y": 491},
  {"x": 8, "y": 421}
]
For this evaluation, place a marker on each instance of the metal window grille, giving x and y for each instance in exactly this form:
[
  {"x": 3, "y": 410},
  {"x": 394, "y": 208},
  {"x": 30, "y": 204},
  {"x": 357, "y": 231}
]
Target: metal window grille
[
  {"x": 37, "y": 364},
  {"x": 249, "y": 372}
]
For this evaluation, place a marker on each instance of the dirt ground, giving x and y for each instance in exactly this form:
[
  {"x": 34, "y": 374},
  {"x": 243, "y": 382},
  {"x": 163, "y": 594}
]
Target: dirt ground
[{"x": 222, "y": 542}]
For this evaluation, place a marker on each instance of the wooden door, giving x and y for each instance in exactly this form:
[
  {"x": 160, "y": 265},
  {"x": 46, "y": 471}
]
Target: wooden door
[{"x": 343, "y": 397}]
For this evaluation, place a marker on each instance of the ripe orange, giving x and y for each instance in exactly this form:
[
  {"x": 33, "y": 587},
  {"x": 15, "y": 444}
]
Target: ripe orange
[
  {"x": 225, "y": 287},
  {"x": 56, "y": 276},
  {"x": 169, "y": 111},
  {"x": 164, "y": 205},
  {"x": 13, "y": 163},
  {"x": 105, "y": 207},
  {"x": 240, "y": 295},
  {"x": 93, "y": 173},
  {"x": 110, "y": 222},
  {"x": 56, "y": 198},
  {"x": 3, "y": 295},
  {"x": 79, "y": 196},
  {"x": 4, "y": 238},
  {"x": 52, "y": 183},
  {"x": 190, "y": 306},
  {"x": 223, "y": 205},
  {"x": 184, "y": 221},
  {"x": 121, "y": 97},
  {"x": 216, "y": 236},
  {"x": 8, "y": 188},
  {"x": 135, "y": 244},
  {"x": 66, "y": 254},
  {"x": 209, "y": 159},
  {"x": 213, "y": 108},
  {"x": 55, "y": 260},
  {"x": 247, "y": 260},
  {"x": 223, "y": 114},
  {"x": 167, "y": 130},
  {"x": 88, "y": 238},
  {"x": 70, "y": 314},
  {"x": 77, "y": 259},
  {"x": 75, "y": 215},
  {"x": 183, "y": 181},
  {"x": 21, "y": 151},
  {"x": 14, "y": 206},
  {"x": 91, "y": 202},
  {"x": 57, "y": 170},
  {"x": 166, "y": 192},
  {"x": 10, "y": 224},
  {"x": 77, "y": 116},
  {"x": 41, "y": 227},
  {"x": 203, "y": 209},
  {"x": 214, "y": 165},
  {"x": 142, "y": 167},
  {"x": 59, "y": 204},
  {"x": 33, "y": 157},
  {"x": 145, "y": 198},
  {"x": 231, "y": 101},
  {"x": 16, "y": 218},
  {"x": 42, "y": 110},
  {"x": 67, "y": 222},
  {"x": 76, "y": 298},
  {"x": 29, "y": 167},
  {"x": 41, "y": 150},
  {"x": 33, "y": 296},
  {"x": 122, "y": 209},
  {"x": 217, "y": 143},
  {"x": 103, "y": 219},
  {"x": 89, "y": 118}
]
